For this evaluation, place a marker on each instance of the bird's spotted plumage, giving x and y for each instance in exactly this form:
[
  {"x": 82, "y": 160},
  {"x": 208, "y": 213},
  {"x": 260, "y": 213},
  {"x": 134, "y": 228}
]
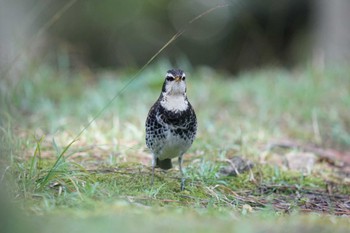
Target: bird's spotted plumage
[{"x": 171, "y": 124}]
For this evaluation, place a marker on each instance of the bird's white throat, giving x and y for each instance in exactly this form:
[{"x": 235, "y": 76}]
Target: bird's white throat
[{"x": 174, "y": 102}]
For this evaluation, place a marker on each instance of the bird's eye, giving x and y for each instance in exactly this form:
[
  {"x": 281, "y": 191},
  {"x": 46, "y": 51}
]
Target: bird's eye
[
  {"x": 183, "y": 78},
  {"x": 170, "y": 78}
]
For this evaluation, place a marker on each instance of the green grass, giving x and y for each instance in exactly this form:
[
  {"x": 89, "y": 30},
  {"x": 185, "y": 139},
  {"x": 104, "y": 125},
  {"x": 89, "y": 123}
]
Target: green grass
[{"x": 102, "y": 179}]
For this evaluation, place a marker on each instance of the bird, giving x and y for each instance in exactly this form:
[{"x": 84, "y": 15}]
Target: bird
[{"x": 171, "y": 124}]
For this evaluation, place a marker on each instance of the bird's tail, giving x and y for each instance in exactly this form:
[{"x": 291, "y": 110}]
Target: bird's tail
[{"x": 164, "y": 164}]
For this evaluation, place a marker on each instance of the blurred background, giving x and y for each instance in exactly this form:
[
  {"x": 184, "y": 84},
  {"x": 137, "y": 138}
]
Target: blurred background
[{"x": 111, "y": 34}]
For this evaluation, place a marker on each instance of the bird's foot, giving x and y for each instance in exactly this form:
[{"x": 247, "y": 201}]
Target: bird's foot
[
  {"x": 182, "y": 184},
  {"x": 152, "y": 180}
]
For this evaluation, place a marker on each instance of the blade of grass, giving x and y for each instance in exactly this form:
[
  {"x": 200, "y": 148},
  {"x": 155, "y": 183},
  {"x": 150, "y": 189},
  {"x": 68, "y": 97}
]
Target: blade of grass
[
  {"x": 56, "y": 164},
  {"x": 55, "y": 146},
  {"x": 36, "y": 156}
]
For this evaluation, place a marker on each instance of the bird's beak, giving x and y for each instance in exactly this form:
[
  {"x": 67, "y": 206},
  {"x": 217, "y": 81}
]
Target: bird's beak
[{"x": 178, "y": 78}]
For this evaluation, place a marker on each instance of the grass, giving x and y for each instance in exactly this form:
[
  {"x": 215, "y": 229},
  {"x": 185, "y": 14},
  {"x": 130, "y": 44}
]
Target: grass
[{"x": 102, "y": 179}]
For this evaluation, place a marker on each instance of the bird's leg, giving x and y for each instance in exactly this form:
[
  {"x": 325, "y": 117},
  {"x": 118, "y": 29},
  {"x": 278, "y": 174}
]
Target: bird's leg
[
  {"x": 153, "y": 166},
  {"x": 182, "y": 174}
]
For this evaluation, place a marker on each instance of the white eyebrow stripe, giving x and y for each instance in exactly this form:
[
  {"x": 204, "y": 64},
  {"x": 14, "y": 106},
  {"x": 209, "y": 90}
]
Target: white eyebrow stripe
[{"x": 171, "y": 75}]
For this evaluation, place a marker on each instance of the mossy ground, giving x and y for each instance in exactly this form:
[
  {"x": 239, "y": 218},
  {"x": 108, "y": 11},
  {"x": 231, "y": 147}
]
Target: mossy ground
[{"x": 102, "y": 181}]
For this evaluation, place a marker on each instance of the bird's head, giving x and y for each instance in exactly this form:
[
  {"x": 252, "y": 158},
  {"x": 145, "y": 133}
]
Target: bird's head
[{"x": 174, "y": 83}]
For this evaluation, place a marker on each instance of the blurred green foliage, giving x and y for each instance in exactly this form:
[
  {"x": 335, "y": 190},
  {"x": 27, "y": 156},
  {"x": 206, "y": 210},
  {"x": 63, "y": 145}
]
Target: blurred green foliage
[{"x": 241, "y": 35}]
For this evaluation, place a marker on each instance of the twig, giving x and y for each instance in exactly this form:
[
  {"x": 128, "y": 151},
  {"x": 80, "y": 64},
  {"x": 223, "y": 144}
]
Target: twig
[{"x": 329, "y": 154}]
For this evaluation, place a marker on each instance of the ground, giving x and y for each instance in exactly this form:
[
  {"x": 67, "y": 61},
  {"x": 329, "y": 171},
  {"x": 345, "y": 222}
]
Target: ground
[{"x": 271, "y": 152}]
